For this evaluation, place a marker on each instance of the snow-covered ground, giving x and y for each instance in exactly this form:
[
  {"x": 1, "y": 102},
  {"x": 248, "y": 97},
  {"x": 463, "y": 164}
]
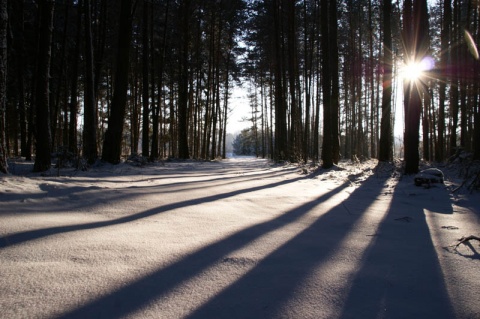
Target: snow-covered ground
[{"x": 240, "y": 238}]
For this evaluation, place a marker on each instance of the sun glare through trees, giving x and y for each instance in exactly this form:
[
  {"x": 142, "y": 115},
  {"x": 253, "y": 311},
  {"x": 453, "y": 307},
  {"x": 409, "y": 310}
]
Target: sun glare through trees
[{"x": 417, "y": 70}]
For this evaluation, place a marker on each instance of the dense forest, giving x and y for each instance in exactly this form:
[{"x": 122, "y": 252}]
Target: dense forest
[{"x": 102, "y": 79}]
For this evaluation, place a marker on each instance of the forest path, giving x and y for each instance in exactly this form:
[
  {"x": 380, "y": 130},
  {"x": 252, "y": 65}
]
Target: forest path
[{"x": 239, "y": 238}]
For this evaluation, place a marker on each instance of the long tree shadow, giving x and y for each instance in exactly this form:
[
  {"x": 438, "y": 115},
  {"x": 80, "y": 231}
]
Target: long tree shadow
[
  {"x": 22, "y": 237},
  {"x": 400, "y": 276},
  {"x": 266, "y": 290},
  {"x": 140, "y": 293},
  {"x": 96, "y": 194}
]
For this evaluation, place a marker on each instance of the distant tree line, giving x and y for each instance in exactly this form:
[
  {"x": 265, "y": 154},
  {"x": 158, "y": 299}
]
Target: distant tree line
[
  {"x": 104, "y": 79},
  {"x": 246, "y": 143}
]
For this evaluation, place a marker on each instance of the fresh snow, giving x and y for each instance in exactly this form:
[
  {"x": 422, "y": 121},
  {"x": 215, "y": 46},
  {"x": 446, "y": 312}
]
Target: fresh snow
[{"x": 239, "y": 238}]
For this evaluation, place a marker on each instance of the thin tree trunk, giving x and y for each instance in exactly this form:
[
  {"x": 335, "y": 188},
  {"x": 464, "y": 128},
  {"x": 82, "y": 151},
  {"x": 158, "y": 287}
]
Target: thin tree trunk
[
  {"x": 292, "y": 78},
  {"x": 72, "y": 134},
  {"x": 281, "y": 151},
  {"x": 335, "y": 95},
  {"x": 157, "y": 111},
  {"x": 454, "y": 91},
  {"x": 327, "y": 147},
  {"x": 100, "y": 46},
  {"x": 444, "y": 58},
  {"x": 183, "y": 151},
  {"x": 90, "y": 118},
  {"x": 145, "y": 89}
]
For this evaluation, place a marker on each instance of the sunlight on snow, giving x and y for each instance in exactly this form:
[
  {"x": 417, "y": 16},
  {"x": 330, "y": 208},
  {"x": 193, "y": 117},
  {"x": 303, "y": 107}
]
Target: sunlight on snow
[{"x": 238, "y": 266}]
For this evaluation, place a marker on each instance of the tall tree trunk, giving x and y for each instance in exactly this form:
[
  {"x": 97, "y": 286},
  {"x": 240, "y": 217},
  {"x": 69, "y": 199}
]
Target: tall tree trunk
[
  {"x": 72, "y": 131},
  {"x": 3, "y": 84},
  {"x": 292, "y": 78},
  {"x": 157, "y": 111},
  {"x": 386, "y": 134},
  {"x": 145, "y": 89},
  {"x": 420, "y": 46},
  {"x": 90, "y": 116},
  {"x": 444, "y": 58},
  {"x": 309, "y": 31},
  {"x": 183, "y": 151},
  {"x": 281, "y": 146},
  {"x": 327, "y": 147},
  {"x": 335, "y": 93},
  {"x": 56, "y": 91},
  {"x": 454, "y": 91},
  {"x": 18, "y": 42},
  {"x": 476, "y": 133},
  {"x": 371, "y": 78},
  {"x": 99, "y": 52},
  {"x": 426, "y": 126},
  {"x": 112, "y": 145},
  {"x": 43, "y": 158}
]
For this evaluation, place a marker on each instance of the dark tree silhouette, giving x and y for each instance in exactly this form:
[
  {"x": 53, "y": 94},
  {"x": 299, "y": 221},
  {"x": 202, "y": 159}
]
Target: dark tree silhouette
[
  {"x": 386, "y": 135},
  {"x": 185, "y": 17},
  {"x": 444, "y": 61},
  {"x": 112, "y": 145},
  {"x": 3, "y": 83},
  {"x": 43, "y": 157},
  {"x": 327, "y": 147},
  {"x": 416, "y": 47},
  {"x": 90, "y": 123}
]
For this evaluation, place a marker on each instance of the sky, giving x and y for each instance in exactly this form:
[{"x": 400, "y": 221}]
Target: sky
[{"x": 240, "y": 109}]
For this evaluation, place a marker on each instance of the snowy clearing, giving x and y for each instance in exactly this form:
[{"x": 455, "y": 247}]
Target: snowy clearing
[{"x": 240, "y": 238}]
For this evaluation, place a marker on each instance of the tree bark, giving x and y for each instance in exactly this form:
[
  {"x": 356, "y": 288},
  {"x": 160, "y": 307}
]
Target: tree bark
[
  {"x": 417, "y": 45},
  {"x": 112, "y": 145},
  {"x": 72, "y": 129},
  {"x": 335, "y": 93},
  {"x": 183, "y": 151},
  {"x": 444, "y": 58},
  {"x": 3, "y": 84},
  {"x": 386, "y": 141},
  {"x": 281, "y": 146},
  {"x": 43, "y": 134},
  {"x": 18, "y": 43},
  {"x": 327, "y": 147},
  {"x": 145, "y": 89},
  {"x": 90, "y": 116}
]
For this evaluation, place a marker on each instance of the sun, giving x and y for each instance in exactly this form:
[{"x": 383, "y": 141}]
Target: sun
[
  {"x": 414, "y": 71},
  {"x": 411, "y": 72}
]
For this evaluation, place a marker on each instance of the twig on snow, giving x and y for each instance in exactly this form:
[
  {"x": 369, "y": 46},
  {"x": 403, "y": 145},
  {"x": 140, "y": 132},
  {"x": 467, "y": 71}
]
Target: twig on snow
[{"x": 465, "y": 239}]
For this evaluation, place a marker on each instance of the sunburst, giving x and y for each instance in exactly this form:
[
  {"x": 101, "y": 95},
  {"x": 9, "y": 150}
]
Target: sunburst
[{"x": 414, "y": 71}]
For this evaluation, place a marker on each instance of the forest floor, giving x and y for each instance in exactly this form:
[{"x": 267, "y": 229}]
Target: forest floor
[{"x": 239, "y": 238}]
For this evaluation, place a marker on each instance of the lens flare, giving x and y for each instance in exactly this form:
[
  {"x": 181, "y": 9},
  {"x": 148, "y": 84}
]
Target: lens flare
[
  {"x": 415, "y": 71},
  {"x": 472, "y": 47}
]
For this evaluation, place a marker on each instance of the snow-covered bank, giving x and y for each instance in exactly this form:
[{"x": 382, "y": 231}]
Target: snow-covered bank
[{"x": 240, "y": 238}]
